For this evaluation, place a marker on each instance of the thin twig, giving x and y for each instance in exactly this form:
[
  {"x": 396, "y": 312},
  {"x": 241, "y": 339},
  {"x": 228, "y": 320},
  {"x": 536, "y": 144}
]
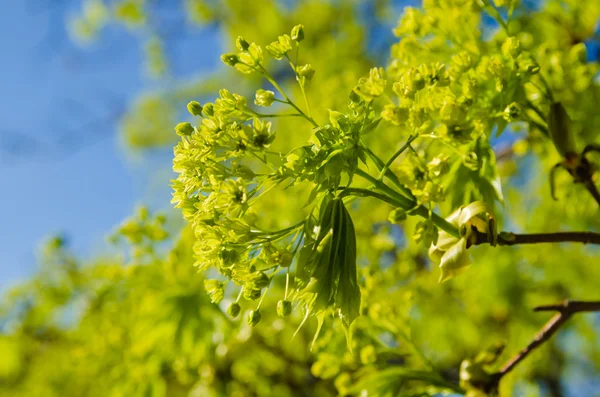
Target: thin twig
[
  {"x": 565, "y": 310},
  {"x": 508, "y": 238}
]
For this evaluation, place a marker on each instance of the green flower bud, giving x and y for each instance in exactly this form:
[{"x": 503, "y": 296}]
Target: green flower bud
[
  {"x": 425, "y": 231},
  {"x": 284, "y": 308},
  {"x": 470, "y": 88},
  {"x": 471, "y": 161},
  {"x": 254, "y": 317},
  {"x": 530, "y": 67},
  {"x": 234, "y": 310},
  {"x": 578, "y": 53},
  {"x": 242, "y": 44},
  {"x": 298, "y": 33},
  {"x": 264, "y": 98},
  {"x": 230, "y": 59},
  {"x": 215, "y": 290},
  {"x": 209, "y": 109},
  {"x": 395, "y": 114},
  {"x": 452, "y": 111},
  {"x": 259, "y": 280},
  {"x": 278, "y": 49},
  {"x": 184, "y": 129},
  {"x": 397, "y": 215},
  {"x": 286, "y": 259},
  {"x": 438, "y": 165},
  {"x": 368, "y": 355},
  {"x": 511, "y": 47},
  {"x": 252, "y": 294},
  {"x": 463, "y": 61},
  {"x": 194, "y": 108},
  {"x": 306, "y": 71},
  {"x": 512, "y": 112}
]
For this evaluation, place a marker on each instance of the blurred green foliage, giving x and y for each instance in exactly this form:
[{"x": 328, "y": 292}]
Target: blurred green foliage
[{"x": 142, "y": 323}]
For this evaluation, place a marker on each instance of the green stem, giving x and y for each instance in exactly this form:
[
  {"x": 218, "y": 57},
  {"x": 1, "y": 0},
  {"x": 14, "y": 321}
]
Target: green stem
[
  {"x": 395, "y": 198},
  {"x": 496, "y": 15},
  {"x": 395, "y": 156},
  {"x": 293, "y": 65},
  {"x": 388, "y": 173},
  {"x": 288, "y": 100}
]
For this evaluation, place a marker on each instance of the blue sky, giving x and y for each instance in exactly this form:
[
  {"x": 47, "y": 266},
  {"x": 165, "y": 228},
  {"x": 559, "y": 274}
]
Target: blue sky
[{"x": 62, "y": 166}]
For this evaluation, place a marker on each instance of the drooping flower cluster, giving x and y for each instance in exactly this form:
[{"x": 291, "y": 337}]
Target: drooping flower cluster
[{"x": 224, "y": 165}]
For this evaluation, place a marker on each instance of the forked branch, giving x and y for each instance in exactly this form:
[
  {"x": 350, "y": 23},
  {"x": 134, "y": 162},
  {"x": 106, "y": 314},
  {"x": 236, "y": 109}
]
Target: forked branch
[{"x": 565, "y": 310}]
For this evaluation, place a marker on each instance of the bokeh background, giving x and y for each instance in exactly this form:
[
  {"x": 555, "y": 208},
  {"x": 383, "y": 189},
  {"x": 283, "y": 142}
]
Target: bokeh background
[{"x": 88, "y": 105}]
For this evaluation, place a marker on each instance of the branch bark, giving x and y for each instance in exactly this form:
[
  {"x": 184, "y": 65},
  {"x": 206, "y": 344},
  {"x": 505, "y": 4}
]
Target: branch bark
[
  {"x": 509, "y": 238},
  {"x": 565, "y": 310}
]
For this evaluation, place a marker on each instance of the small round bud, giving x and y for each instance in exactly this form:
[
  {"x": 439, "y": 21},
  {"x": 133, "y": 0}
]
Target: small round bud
[
  {"x": 368, "y": 355},
  {"x": 512, "y": 112},
  {"x": 230, "y": 59},
  {"x": 254, "y": 317},
  {"x": 471, "y": 161},
  {"x": 184, "y": 129},
  {"x": 209, "y": 109},
  {"x": 194, "y": 108},
  {"x": 306, "y": 71},
  {"x": 531, "y": 67},
  {"x": 234, "y": 310},
  {"x": 286, "y": 259},
  {"x": 242, "y": 44},
  {"x": 298, "y": 33},
  {"x": 397, "y": 215},
  {"x": 511, "y": 47},
  {"x": 264, "y": 98},
  {"x": 252, "y": 294},
  {"x": 284, "y": 308}
]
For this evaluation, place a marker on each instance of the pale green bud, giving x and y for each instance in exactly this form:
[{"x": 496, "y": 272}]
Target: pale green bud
[
  {"x": 512, "y": 112},
  {"x": 578, "y": 53},
  {"x": 395, "y": 114},
  {"x": 254, "y": 317},
  {"x": 463, "y": 61},
  {"x": 184, "y": 129},
  {"x": 471, "y": 161},
  {"x": 298, "y": 33},
  {"x": 215, "y": 290},
  {"x": 230, "y": 59},
  {"x": 194, "y": 108},
  {"x": 397, "y": 215},
  {"x": 278, "y": 49},
  {"x": 259, "y": 280},
  {"x": 284, "y": 308},
  {"x": 234, "y": 310},
  {"x": 242, "y": 44},
  {"x": 511, "y": 47},
  {"x": 306, "y": 71},
  {"x": 264, "y": 98},
  {"x": 368, "y": 355},
  {"x": 251, "y": 294},
  {"x": 209, "y": 109}
]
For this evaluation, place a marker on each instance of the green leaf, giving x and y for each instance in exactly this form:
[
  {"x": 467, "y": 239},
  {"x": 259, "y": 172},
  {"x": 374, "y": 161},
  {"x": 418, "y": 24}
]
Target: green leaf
[{"x": 455, "y": 261}]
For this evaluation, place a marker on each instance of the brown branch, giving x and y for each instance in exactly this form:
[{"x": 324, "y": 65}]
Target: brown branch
[
  {"x": 565, "y": 310},
  {"x": 558, "y": 237},
  {"x": 509, "y": 238},
  {"x": 591, "y": 187}
]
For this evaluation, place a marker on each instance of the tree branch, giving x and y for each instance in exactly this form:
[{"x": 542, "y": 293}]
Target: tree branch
[
  {"x": 509, "y": 238},
  {"x": 565, "y": 310}
]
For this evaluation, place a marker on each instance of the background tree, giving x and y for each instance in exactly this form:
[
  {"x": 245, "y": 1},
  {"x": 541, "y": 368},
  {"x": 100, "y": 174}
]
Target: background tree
[{"x": 318, "y": 184}]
